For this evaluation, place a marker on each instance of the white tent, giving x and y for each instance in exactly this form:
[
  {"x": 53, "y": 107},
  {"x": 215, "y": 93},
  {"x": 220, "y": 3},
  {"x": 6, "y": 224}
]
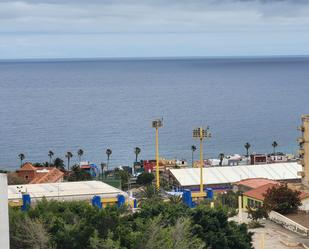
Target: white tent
[{"x": 231, "y": 174}]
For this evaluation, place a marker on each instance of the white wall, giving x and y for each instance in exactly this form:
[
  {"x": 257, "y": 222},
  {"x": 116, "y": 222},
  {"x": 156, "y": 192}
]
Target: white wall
[
  {"x": 304, "y": 205},
  {"x": 4, "y": 216}
]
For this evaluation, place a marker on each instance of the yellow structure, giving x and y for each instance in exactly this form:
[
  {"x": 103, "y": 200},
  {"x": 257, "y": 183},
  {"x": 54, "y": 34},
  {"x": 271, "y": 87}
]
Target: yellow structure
[
  {"x": 250, "y": 202},
  {"x": 157, "y": 124},
  {"x": 304, "y": 149},
  {"x": 201, "y": 134}
]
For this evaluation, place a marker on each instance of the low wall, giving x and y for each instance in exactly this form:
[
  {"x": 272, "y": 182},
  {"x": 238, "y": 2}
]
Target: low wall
[{"x": 288, "y": 223}]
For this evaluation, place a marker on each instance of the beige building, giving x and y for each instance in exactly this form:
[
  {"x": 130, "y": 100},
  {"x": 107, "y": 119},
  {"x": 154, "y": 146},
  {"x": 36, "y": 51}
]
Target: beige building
[
  {"x": 304, "y": 150},
  {"x": 4, "y": 216}
]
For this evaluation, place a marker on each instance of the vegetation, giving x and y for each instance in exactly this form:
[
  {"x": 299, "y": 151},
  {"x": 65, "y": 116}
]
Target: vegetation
[
  {"x": 193, "y": 149},
  {"x": 282, "y": 199},
  {"x": 145, "y": 178},
  {"x": 124, "y": 176},
  {"x": 69, "y": 155},
  {"x": 257, "y": 214},
  {"x": 58, "y": 163},
  {"x": 247, "y": 147},
  {"x": 77, "y": 174},
  {"x": 221, "y": 157},
  {"x": 80, "y": 153},
  {"x": 274, "y": 145},
  {"x": 50, "y": 155},
  {"x": 137, "y": 151},
  {"x": 21, "y": 157},
  {"x": 159, "y": 224},
  {"x": 108, "y": 153}
]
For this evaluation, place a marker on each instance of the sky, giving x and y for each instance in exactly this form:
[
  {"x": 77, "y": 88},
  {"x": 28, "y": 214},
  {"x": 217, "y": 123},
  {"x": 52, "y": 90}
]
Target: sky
[{"x": 152, "y": 28}]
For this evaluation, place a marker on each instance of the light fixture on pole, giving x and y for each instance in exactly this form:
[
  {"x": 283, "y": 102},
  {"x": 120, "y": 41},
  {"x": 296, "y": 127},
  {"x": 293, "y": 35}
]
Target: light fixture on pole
[
  {"x": 201, "y": 134},
  {"x": 157, "y": 124}
]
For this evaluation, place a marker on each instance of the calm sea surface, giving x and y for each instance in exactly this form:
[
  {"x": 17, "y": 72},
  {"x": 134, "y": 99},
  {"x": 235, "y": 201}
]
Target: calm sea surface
[{"x": 95, "y": 105}]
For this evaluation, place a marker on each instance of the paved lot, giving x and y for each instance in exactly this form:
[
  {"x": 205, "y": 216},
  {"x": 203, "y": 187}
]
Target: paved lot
[{"x": 275, "y": 236}]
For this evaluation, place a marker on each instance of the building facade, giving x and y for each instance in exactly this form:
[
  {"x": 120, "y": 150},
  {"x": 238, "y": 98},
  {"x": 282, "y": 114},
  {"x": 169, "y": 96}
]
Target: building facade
[{"x": 4, "y": 215}]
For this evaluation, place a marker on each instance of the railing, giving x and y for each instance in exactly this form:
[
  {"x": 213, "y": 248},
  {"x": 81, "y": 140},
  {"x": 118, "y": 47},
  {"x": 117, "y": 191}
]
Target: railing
[{"x": 288, "y": 223}]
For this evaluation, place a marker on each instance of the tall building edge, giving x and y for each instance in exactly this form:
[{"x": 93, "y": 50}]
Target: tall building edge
[
  {"x": 4, "y": 214},
  {"x": 304, "y": 149}
]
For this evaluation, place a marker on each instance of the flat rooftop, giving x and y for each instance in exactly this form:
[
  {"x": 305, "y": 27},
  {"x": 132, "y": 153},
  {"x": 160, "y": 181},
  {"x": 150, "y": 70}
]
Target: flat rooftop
[
  {"x": 64, "y": 190},
  {"x": 232, "y": 174}
]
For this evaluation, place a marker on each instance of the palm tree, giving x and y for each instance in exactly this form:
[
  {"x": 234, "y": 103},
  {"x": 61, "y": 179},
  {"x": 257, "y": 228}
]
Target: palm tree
[
  {"x": 69, "y": 155},
  {"x": 50, "y": 155},
  {"x": 193, "y": 148},
  {"x": 137, "y": 151},
  {"x": 80, "y": 153},
  {"x": 221, "y": 157},
  {"x": 274, "y": 145},
  {"x": 108, "y": 153},
  {"x": 247, "y": 147},
  {"x": 21, "y": 157}
]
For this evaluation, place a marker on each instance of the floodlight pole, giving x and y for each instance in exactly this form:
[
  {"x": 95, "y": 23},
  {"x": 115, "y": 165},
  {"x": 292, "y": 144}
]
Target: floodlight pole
[
  {"x": 157, "y": 124},
  {"x": 201, "y": 133}
]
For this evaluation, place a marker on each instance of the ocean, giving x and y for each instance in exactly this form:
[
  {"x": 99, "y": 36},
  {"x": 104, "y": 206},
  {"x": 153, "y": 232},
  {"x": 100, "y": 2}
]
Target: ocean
[{"x": 64, "y": 105}]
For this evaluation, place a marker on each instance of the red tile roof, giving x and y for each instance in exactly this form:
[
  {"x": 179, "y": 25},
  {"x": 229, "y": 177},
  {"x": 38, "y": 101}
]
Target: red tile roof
[
  {"x": 255, "y": 182},
  {"x": 259, "y": 192},
  {"x": 27, "y": 167},
  {"x": 53, "y": 175}
]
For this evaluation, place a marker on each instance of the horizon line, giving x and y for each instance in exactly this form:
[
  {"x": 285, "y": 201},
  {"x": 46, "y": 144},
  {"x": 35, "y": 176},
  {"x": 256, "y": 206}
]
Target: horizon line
[{"x": 119, "y": 58}]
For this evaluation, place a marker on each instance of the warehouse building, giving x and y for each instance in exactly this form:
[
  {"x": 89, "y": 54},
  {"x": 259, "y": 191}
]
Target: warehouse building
[
  {"x": 65, "y": 191},
  {"x": 224, "y": 177}
]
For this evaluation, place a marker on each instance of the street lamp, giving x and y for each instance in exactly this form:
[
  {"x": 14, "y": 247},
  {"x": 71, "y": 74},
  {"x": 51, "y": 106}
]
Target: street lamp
[
  {"x": 157, "y": 124},
  {"x": 201, "y": 134}
]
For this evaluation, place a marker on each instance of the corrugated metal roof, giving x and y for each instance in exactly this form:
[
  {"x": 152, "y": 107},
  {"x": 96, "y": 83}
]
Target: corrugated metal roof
[
  {"x": 64, "y": 190},
  {"x": 231, "y": 174}
]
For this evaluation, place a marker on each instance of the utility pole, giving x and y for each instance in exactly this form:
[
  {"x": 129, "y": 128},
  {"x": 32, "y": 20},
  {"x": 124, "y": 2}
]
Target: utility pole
[
  {"x": 157, "y": 124},
  {"x": 201, "y": 134}
]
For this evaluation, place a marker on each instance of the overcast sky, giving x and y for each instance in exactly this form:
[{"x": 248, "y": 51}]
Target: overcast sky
[{"x": 148, "y": 28}]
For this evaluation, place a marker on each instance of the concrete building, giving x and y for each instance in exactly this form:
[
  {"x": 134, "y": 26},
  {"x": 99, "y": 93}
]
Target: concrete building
[
  {"x": 304, "y": 150},
  {"x": 4, "y": 214},
  {"x": 225, "y": 176}
]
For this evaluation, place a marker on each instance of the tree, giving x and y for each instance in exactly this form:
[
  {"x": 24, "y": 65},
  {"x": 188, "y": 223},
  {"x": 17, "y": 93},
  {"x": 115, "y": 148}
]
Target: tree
[
  {"x": 21, "y": 157},
  {"x": 247, "y": 147},
  {"x": 137, "y": 151},
  {"x": 213, "y": 227},
  {"x": 78, "y": 174},
  {"x": 221, "y": 157},
  {"x": 108, "y": 153},
  {"x": 282, "y": 199},
  {"x": 50, "y": 155},
  {"x": 69, "y": 155},
  {"x": 258, "y": 213},
  {"x": 124, "y": 176},
  {"x": 193, "y": 149},
  {"x": 58, "y": 163},
  {"x": 145, "y": 178},
  {"x": 80, "y": 153},
  {"x": 274, "y": 145},
  {"x": 27, "y": 233}
]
